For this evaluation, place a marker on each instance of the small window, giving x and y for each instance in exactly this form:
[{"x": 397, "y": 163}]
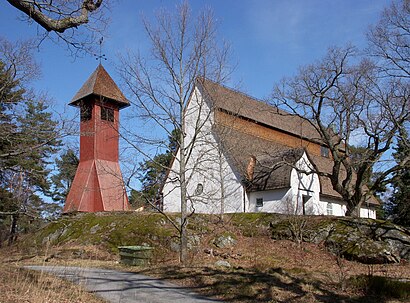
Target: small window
[
  {"x": 259, "y": 202},
  {"x": 86, "y": 112},
  {"x": 199, "y": 189},
  {"x": 329, "y": 209},
  {"x": 107, "y": 114},
  {"x": 324, "y": 151}
]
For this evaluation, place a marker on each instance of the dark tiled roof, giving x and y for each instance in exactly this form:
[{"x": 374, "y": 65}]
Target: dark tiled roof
[
  {"x": 101, "y": 84},
  {"x": 271, "y": 170},
  {"x": 237, "y": 103},
  {"x": 273, "y": 161}
]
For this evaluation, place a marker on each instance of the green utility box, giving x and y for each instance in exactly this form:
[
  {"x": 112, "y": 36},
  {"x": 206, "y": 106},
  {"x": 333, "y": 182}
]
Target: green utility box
[{"x": 135, "y": 255}]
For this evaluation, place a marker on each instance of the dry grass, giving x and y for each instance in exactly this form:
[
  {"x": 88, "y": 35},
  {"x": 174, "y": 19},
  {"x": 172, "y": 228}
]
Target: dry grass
[
  {"x": 265, "y": 270},
  {"x": 20, "y": 285}
]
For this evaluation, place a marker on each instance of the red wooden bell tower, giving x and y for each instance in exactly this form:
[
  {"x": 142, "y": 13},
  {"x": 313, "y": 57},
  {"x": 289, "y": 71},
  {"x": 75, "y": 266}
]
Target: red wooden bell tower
[{"x": 98, "y": 183}]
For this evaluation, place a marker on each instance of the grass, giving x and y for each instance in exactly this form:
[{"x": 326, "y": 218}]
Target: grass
[{"x": 19, "y": 285}]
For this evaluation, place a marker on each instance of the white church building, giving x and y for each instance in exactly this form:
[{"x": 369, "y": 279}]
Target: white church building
[{"x": 248, "y": 156}]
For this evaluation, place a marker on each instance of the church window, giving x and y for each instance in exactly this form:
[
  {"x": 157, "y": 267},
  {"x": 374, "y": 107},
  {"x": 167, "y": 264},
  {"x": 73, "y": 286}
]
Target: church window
[
  {"x": 329, "y": 209},
  {"x": 199, "y": 189}
]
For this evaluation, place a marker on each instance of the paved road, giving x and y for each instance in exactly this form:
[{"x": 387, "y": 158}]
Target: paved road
[{"x": 124, "y": 287}]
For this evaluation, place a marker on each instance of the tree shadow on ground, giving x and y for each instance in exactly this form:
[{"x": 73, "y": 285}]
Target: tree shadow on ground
[{"x": 255, "y": 285}]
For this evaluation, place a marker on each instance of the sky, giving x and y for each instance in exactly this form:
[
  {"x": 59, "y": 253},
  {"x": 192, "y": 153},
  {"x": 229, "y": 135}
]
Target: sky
[{"x": 270, "y": 39}]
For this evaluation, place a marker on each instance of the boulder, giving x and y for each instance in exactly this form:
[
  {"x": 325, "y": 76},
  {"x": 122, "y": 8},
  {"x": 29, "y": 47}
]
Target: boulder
[
  {"x": 222, "y": 263},
  {"x": 224, "y": 241},
  {"x": 364, "y": 240}
]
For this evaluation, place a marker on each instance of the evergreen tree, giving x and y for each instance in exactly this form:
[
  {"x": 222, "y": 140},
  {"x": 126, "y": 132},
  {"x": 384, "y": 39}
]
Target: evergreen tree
[
  {"x": 29, "y": 138},
  {"x": 10, "y": 95},
  {"x": 35, "y": 141},
  {"x": 153, "y": 173},
  {"x": 67, "y": 166},
  {"x": 401, "y": 184},
  {"x": 38, "y": 137}
]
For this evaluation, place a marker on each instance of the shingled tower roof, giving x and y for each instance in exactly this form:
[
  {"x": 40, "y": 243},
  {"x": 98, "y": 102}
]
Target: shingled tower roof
[{"x": 101, "y": 84}]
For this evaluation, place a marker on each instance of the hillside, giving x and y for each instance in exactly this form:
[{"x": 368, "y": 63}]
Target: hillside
[{"x": 236, "y": 259}]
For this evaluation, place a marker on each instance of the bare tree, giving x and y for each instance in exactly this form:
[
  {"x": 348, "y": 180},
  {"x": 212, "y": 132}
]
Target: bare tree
[
  {"x": 183, "y": 50},
  {"x": 74, "y": 22},
  {"x": 349, "y": 105},
  {"x": 390, "y": 39}
]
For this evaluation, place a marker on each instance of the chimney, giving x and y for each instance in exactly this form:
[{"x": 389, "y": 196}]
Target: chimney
[{"x": 251, "y": 168}]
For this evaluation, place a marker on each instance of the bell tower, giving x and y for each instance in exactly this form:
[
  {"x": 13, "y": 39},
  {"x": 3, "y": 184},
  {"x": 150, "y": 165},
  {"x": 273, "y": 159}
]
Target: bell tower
[{"x": 98, "y": 184}]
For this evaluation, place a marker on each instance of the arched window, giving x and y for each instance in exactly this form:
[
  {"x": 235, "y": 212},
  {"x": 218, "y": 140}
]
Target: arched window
[{"x": 199, "y": 189}]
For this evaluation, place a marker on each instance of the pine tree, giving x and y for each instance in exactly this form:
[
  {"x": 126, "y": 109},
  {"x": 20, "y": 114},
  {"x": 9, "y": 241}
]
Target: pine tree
[
  {"x": 67, "y": 167},
  {"x": 28, "y": 140},
  {"x": 10, "y": 95},
  {"x": 36, "y": 140},
  {"x": 401, "y": 184}
]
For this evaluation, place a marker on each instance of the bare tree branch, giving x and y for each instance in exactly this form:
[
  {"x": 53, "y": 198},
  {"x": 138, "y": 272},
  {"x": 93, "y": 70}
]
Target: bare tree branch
[{"x": 37, "y": 10}]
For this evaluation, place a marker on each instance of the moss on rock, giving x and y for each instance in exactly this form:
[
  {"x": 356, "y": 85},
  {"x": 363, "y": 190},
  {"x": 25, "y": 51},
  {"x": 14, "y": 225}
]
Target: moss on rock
[{"x": 364, "y": 240}]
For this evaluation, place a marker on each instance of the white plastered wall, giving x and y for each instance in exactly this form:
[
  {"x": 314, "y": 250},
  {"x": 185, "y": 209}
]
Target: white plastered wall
[
  {"x": 207, "y": 167},
  {"x": 290, "y": 200},
  {"x": 336, "y": 207}
]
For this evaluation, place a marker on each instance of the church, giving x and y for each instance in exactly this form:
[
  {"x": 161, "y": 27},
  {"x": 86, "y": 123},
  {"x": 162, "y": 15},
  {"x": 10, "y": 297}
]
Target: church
[{"x": 251, "y": 157}]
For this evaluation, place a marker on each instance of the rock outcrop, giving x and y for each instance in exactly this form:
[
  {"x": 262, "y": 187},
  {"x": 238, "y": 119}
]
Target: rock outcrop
[{"x": 364, "y": 240}]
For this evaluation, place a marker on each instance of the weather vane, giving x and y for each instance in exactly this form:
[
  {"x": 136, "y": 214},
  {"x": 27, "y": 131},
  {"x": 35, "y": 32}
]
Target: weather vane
[{"x": 100, "y": 56}]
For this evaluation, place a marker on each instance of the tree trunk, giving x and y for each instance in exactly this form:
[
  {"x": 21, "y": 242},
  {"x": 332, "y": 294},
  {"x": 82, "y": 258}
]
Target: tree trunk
[
  {"x": 222, "y": 183},
  {"x": 352, "y": 210},
  {"x": 183, "y": 250},
  {"x": 13, "y": 229}
]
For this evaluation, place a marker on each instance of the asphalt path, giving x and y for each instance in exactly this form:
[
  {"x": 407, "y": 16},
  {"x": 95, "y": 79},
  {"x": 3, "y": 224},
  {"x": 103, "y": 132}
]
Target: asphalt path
[{"x": 124, "y": 287}]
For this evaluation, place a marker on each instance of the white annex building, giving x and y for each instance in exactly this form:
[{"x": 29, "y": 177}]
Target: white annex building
[{"x": 251, "y": 157}]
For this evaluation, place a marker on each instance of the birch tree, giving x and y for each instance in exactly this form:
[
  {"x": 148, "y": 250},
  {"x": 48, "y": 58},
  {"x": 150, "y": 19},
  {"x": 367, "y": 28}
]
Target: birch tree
[{"x": 183, "y": 49}]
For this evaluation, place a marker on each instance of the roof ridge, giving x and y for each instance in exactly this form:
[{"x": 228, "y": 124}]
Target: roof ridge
[
  {"x": 235, "y": 90},
  {"x": 279, "y": 111}
]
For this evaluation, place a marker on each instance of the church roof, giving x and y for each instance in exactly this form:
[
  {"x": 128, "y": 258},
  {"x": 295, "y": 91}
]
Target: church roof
[
  {"x": 101, "y": 84},
  {"x": 273, "y": 161},
  {"x": 242, "y": 105}
]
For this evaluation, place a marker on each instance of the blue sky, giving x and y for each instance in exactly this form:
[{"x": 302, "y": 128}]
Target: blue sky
[{"x": 269, "y": 38}]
